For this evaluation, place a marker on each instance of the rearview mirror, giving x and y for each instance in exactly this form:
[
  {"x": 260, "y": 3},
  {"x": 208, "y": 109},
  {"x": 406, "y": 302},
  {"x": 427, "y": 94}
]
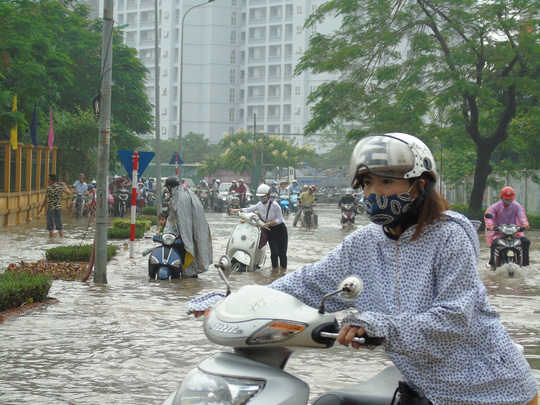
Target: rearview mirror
[{"x": 351, "y": 288}]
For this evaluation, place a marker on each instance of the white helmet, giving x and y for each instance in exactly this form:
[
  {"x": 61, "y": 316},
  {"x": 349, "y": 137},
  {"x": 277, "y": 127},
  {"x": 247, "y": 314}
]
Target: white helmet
[
  {"x": 263, "y": 189},
  {"x": 348, "y": 191},
  {"x": 394, "y": 155}
]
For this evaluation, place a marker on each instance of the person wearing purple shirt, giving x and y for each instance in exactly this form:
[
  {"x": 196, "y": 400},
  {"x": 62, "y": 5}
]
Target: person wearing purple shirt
[{"x": 507, "y": 211}]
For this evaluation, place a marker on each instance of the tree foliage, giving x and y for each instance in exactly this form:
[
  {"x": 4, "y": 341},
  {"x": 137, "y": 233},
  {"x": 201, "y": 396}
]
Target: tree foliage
[
  {"x": 195, "y": 148},
  {"x": 463, "y": 70},
  {"x": 50, "y": 53},
  {"x": 242, "y": 151}
]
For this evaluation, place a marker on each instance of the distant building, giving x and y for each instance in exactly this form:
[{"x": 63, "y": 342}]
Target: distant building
[{"x": 239, "y": 60}]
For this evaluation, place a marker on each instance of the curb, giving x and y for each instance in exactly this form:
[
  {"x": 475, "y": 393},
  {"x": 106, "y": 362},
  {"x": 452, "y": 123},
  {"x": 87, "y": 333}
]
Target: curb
[{"x": 12, "y": 313}]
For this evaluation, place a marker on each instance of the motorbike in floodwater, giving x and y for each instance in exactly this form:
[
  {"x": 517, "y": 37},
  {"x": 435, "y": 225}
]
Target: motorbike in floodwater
[
  {"x": 204, "y": 198},
  {"x": 508, "y": 251},
  {"x": 123, "y": 195},
  {"x": 308, "y": 217},
  {"x": 243, "y": 245},
  {"x": 284, "y": 204},
  {"x": 348, "y": 214},
  {"x": 79, "y": 204},
  {"x": 167, "y": 261},
  {"x": 293, "y": 200},
  {"x": 233, "y": 202},
  {"x": 264, "y": 327}
]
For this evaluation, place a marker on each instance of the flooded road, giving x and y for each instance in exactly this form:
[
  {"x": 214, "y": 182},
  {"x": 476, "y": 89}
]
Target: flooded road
[{"x": 131, "y": 341}]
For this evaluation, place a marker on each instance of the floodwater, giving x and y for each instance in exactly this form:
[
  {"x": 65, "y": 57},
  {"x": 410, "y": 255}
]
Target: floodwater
[{"x": 131, "y": 341}]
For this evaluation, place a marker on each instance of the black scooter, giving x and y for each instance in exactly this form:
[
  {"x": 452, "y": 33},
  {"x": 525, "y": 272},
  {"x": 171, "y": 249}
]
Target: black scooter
[
  {"x": 508, "y": 251},
  {"x": 167, "y": 261}
]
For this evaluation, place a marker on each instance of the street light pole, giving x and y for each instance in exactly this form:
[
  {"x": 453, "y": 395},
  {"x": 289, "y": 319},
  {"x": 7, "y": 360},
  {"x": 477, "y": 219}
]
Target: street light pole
[
  {"x": 157, "y": 55},
  {"x": 180, "y": 121},
  {"x": 100, "y": 274}
]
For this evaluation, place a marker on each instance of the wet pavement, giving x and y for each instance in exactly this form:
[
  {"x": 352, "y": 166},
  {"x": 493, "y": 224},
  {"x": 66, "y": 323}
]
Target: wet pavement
[{"x": 131, "y": 341}]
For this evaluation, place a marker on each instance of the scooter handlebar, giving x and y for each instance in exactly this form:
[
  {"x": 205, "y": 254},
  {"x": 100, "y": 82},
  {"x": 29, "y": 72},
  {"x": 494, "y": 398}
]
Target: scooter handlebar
[{"x": 368, "y": 341}]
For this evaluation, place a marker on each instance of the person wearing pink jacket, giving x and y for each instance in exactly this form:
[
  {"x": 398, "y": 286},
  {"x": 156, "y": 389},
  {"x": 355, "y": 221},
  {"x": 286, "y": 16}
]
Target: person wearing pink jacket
[{"x": 507, "y": 211}]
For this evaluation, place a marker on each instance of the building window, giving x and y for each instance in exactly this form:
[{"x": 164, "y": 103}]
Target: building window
[
  {"x": 233, "y": 56},
  {"x": 233, "y": 3},
  {"x": 231, "y": 96},
  {"x": 296, "y": 110},
  {"x": 233, "y": 18},
  {"x": 231, "y": 130},
  {"x": 233, "y": 76},
  {"x": 298, "y": 9},
  {"x": 231, "y": 114},
  {"x": 233, "y": 37},
  {"x": 298, "y": 50},
  {"x": 298, "y": 29},
  {"x": 296, "y": 90}
]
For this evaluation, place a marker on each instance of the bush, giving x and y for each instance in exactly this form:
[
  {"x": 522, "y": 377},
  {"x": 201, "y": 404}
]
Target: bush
[
  {"x": 124, "y": 233},
  {"x": 152, "y": 218},
  {"x": 461, "y": 208},
  {"x": 75, "y": 253},
  {"x": 125, "y": 223},
  {"x": 17, "y": 289},
  {"x": 534, "y": 221},
  {"x": 149, "y": 211}
]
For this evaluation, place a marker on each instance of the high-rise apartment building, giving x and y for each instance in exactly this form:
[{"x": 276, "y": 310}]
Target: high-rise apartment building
[{"x": 239, "y": 58}]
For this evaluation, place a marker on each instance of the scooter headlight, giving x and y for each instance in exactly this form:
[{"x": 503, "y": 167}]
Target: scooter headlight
[
  {"x": 202, "y": 388},
  {"x": 168, "y": 239}
]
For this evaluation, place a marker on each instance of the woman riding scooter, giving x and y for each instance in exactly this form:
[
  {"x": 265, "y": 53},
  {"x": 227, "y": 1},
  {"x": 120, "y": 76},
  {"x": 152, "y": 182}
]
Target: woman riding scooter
[{"x": 423, "y": 296}]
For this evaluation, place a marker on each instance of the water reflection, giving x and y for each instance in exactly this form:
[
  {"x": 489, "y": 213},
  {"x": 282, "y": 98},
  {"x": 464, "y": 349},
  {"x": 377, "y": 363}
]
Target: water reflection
[{"x": 131, "y": 341}]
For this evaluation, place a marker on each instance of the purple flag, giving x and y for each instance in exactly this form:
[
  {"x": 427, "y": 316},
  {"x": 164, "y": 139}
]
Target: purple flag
[{"x": 33, "y": 127}]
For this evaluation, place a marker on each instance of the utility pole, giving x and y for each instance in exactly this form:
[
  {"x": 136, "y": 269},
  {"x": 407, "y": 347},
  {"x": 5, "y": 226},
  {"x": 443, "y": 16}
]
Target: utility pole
[
  {"x": 100, "y": 273},
  {"x": 156, "y": 103}
]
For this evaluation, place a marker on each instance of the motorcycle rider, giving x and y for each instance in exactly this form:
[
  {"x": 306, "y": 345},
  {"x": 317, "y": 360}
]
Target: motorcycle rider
[
  {"x": 232, "y": 188},
  {"x": 213, "y": 188},
  {"x": 116, "y": 186},
  {"x": 424, "y": 296},
  {"x": 348, "y": 198},
  {"x": 294, "y": 188},
  {"x": 306, "y": 198},
  {"x": 79, "y": 188},
  {"x": 273, "y": 187},
  {"x": 283, "y": 189},
  {"x": 241, "y": 190},
  {"x": 507, "y": 211}
]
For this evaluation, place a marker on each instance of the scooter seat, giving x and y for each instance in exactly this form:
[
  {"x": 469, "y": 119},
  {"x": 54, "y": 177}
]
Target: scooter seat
[{"x": 378, "y": 390}]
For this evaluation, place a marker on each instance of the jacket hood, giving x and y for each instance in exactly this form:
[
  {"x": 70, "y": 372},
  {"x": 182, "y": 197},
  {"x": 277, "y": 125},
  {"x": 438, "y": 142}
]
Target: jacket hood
[{"x": 469, "y": 226}]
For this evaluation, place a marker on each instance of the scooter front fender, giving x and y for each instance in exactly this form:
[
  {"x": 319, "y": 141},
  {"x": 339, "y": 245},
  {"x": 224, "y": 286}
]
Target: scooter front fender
[
  {"x": 242, "y": 257},
  {"x": 280, "y": 387}
]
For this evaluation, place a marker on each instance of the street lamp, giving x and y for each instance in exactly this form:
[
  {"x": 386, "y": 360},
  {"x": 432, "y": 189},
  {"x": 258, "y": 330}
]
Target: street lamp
[{"x": 182, "y": 84}]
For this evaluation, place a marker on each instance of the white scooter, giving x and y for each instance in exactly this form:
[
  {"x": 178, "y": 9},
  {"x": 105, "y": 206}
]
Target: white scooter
[
  {"x": 264, "y": 326},
  {"x": 243, "y": 246}
]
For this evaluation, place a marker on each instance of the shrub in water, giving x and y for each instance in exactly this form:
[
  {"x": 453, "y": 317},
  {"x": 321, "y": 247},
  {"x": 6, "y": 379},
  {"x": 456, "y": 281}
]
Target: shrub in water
[
  {"x": 124, "y": 233},
  {"x": 125, "y": 223},
  {"x": 149, "y": 211},
  {"x": 75, "y": 253},
  {"x": 17, "y": 289}
]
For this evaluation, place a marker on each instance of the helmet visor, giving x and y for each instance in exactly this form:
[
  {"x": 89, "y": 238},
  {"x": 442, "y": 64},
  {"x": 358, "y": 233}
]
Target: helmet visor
[{"x": 384, "y": 156}]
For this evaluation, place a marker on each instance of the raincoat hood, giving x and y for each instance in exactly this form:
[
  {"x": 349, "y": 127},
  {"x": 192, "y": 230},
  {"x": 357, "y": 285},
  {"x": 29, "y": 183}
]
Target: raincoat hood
[{"x": 469, "y": 226}]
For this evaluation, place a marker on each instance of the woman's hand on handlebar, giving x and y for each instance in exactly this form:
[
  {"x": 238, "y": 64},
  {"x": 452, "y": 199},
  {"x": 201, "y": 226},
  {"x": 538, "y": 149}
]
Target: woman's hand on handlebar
[{"x": 348, "y": 333}]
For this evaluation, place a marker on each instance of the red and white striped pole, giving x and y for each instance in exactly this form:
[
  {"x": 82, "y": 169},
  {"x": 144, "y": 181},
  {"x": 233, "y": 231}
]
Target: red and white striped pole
[
  {"x": 176, "y": 164},
  {"x": 133, "y": 204}
]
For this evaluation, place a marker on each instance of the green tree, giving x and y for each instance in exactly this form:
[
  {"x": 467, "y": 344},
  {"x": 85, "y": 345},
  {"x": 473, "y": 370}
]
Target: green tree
[
  {"x": 50, "y": 53},
  {"x": 464, "y": 67},
  {"x": 241, "y": 152},
  {"x": 195, "y": 148}
]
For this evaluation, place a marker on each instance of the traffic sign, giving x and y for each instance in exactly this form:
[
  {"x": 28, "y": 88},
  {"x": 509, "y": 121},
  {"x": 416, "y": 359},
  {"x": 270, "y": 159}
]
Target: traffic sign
[
  {"x": 173, "y": 159},
  {"x": 126, "y": 157}
]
